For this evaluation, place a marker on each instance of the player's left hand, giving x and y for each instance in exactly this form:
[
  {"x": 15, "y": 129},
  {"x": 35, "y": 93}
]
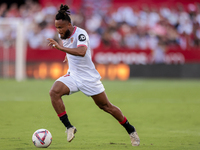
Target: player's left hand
[
  {"x": 65, "y": 60},
  {"x": 53, "y": 43}
]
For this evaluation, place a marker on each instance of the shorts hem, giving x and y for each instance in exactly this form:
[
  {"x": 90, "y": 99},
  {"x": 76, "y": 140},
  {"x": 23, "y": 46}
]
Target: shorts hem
[{"x": 95, "y": 93}]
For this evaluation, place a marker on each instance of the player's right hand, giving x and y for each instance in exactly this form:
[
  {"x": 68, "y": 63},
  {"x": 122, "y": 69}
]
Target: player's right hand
[{"x": 53, "y": 43}]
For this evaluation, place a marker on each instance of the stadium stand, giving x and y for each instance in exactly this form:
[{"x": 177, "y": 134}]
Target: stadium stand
[{"x": 137, "y": 25}]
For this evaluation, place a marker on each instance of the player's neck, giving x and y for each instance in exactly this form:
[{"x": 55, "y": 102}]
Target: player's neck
[{"x": 72, "y": 30}]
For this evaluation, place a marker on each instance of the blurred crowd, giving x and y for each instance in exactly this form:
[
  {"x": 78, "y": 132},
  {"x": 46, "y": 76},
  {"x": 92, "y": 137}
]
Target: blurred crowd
[{"x": 109, "y": 26}]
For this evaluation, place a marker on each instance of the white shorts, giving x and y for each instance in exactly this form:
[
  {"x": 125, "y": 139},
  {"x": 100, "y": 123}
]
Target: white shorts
[{"x": 88, "y": 88}]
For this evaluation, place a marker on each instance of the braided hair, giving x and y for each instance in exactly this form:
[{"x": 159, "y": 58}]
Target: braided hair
[{"x": 63, "y": 13}]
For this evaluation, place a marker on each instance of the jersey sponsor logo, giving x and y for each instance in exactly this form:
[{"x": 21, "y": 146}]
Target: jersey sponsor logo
[{"x": 81, "y": 37}]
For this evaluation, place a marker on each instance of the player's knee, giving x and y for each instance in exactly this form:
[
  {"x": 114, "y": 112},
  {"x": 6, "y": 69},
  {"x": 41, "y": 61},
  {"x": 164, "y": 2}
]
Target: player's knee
[{"x": 53, "y": 93}]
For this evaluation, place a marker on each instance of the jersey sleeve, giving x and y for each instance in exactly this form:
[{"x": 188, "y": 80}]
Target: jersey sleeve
[{"x": 82, "y": 39}]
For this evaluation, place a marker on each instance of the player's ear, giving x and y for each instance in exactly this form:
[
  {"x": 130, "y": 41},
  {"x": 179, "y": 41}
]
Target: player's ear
[{"x": 69, "y": 24}]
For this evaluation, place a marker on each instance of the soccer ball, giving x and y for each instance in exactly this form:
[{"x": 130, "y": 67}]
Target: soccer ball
[{"x": 42, "y": 138}]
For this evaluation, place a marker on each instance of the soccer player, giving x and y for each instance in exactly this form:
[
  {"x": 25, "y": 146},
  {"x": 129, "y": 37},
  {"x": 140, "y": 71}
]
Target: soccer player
[{"x": 81, "y": 76}]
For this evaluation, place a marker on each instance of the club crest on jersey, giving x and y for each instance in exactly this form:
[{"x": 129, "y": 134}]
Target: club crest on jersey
[
  {"x": 72, "y": 39},
  {"x": 81, "y": 37}
]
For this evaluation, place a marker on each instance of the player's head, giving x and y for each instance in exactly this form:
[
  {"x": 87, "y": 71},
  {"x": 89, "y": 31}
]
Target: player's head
[{"x": 63, "y": 22}]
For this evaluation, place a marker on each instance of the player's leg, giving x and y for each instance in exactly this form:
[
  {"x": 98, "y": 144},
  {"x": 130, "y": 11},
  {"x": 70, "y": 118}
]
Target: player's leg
[
  {"x": 57, "y": 91},
  {"x": 103, "y": 103}
]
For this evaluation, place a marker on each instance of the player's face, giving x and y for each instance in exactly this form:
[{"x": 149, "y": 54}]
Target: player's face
[{"x": 63, "y": 28}]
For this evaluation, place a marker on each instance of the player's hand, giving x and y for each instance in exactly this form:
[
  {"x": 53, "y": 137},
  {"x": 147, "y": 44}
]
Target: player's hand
[
  {"x": 53, "y": 43},
  {"x": 65, "y": 60}
]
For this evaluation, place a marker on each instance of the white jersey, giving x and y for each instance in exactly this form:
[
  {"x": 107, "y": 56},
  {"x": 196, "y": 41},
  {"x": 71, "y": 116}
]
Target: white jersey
[{"x": 81, "y": 69}]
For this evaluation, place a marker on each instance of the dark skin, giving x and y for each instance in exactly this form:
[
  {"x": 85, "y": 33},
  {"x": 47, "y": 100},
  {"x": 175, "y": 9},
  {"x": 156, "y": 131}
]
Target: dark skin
[{"x": 59, "y": 89}]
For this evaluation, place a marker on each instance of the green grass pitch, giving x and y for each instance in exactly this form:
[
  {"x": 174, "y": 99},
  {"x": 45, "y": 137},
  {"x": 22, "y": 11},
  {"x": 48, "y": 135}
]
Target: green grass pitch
[{"x": 165, "y": 112}]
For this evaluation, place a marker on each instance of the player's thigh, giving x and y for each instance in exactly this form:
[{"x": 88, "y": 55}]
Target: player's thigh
[
  {"x": 60, "y": 88},
  {"x": 101, "y": 99},
  {"x": 65, "y": 85}
]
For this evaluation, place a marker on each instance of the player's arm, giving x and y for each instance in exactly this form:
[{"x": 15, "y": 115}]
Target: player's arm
[{"x": 79, "y": 51}]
